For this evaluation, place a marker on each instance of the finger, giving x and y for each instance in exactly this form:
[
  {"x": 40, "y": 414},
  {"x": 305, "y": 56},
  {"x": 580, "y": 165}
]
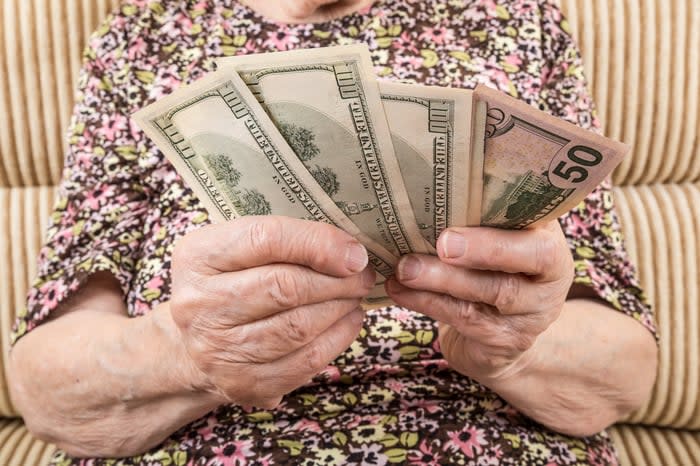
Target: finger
[
  {"x": 257, "y": 293},
  {"x": 253, "y": 241},
  {"x": 473, "y": 320},
  {"x": 270, "y": 339},
  {"x": 297, "y": 368},
  {"x": 542, "y": 252},
  {"x": 510, "y": 293}
]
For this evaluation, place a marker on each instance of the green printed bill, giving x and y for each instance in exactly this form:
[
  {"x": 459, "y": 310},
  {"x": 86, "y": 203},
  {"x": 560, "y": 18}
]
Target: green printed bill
[
  {"x": 230, "y": 153},
  {"x": 326, "y": 104},
  {"x": 537, "y": 167},
  {"x": 432, "y": 132}
]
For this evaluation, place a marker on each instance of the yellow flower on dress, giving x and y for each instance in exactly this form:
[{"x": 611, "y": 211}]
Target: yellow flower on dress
[
  {"x": 368, "y": 433},
  {"x": 330, "y": 456}
]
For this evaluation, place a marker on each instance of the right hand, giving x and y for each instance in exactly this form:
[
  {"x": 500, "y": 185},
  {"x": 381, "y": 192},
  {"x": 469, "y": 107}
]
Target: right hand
[{"x": 265, "y": 303}]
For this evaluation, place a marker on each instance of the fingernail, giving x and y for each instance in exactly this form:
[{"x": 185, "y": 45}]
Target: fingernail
[
  {"x": 409, "y": 268},
  {"x": 453, "y": 245},
  {"x": 356, "y": 257}
]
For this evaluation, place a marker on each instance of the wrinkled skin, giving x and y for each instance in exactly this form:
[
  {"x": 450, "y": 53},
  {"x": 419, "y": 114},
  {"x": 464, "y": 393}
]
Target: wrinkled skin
[
  {"x": 270, "y": 299},
  {"x": 494, "y": 292},
  {"x": 306, "y": 11}
]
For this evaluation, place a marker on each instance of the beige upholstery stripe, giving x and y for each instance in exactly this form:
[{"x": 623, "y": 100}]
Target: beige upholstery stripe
[
  {"x": 653, "y": 240},
  {"x": 688, "y": 112},
  {"x": 25, "y": 214},
  {"x": 19, "y": 448},
  {"x": 650, "y": 446},
  {"x": 643, "y": 62},
  {"x": 662, "y": 224},
  {"x": 611, "y": 113},
  {"x": 41, "y": 47},
  {"x": 16, "y": 137}
]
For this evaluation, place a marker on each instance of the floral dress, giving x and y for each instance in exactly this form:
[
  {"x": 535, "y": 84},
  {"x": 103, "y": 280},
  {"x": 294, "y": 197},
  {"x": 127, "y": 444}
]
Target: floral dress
[{"x": 390, "y": 398}]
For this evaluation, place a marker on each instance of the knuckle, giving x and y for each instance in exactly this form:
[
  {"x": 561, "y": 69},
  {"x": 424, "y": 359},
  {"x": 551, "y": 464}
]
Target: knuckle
[
  {"x": 261, "y": 236},
  {"x": 507, "y": 289},
  {"x": 313, "y": 359},
  {"x": 296, "y": 329},
  {"x": 280, "y": 288},
  {"x": 313, "y": 241},
  {"x": 465, "y": 312},
  {"x": 321, "y": 245}
]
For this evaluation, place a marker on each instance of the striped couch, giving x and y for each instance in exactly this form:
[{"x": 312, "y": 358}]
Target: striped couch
[{"x": 643, "y": 61}]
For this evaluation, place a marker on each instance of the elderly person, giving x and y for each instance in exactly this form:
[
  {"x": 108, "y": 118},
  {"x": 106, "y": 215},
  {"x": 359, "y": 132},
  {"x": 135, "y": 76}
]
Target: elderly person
[{"x": 153, "y": 336}]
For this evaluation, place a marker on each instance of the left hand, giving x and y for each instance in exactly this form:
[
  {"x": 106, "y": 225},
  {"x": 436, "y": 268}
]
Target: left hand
[{"x": 493, "y": 291}]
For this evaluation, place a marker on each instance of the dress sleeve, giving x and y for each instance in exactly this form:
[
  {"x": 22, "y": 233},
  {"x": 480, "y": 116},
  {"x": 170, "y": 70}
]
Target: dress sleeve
[
  {"x": 592, "y": 228},
  {"x": 96, "y": 224}
]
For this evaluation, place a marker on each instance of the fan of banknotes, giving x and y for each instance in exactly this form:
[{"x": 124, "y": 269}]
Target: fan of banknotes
[{"x": 313, "y": 134}]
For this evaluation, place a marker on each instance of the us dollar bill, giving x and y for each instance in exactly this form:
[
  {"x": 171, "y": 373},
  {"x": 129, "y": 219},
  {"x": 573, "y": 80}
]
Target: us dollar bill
[
  {"x": 326, "y": 104},
  {"x": 229, "y": 152},
  {"x": 537, "y": 167},
  {"x": 431, "y": 132}
]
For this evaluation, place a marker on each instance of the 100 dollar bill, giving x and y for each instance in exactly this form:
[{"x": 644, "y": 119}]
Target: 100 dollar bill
[
  {"x": 229, "y": 152},
  {"x": 431, "y": 131},
  {"x": 326, "y": 104}
]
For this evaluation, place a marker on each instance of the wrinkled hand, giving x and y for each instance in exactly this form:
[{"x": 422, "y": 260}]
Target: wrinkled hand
[
  {"x": 265, "y": 303},
  {"x": 493, "y": 292}
]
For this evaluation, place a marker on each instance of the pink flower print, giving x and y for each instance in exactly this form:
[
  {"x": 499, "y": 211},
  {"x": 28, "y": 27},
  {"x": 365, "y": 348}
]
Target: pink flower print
[
  {"x": 592, "y": 271},
  {"x": 513, "y": 59},
  {"x": 436, "y": 35},
  {"x": 232, "y": 453},
  {"x": 601, "y": 458},
  {"x": 496, "y": 452},
  {"x": 99, "y": 196},
  {"x": 141, "y": 308},
  {"x": 405, "y": 63},
  {"x": 597, "y": 218},
  {"x": 576, "y": 227},
  {"x": 426, "y": 457},
  {"x": 395, "y": 385},
  {"x": 331, "y": 373},
  {"x": 366, "y": 9},
  {"x": 62, "y": 240},
  {"x": 405, "y": 43},
  {"x": 207, "y": 432},
  {"x": 431, "y": 406},
  {"x": 137, "y": 48},
  {"x": 402, "y": 315},
  {"x": 307, "y": 425},
  {"x": 154, "y": 283},
  {"x": 112, "y": 125},
  {"x": 501, "y": 79},
  {"x": 283, "y": 39},
  {"x": 251, "y": 46},
  {"x": 469, "y": 440},
  {"x": 52, "y": 293}
]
